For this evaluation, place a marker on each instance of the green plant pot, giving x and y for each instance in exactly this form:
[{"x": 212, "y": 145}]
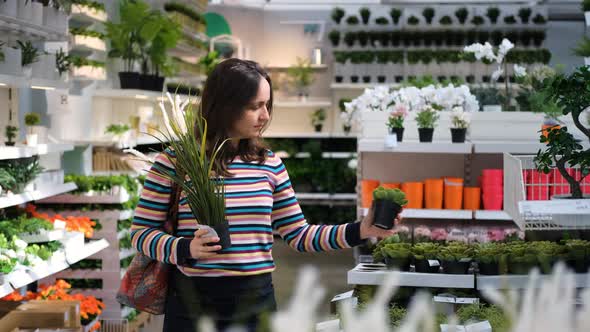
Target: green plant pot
[
  {"x": 422, "y": 266},
  {"x": 402, "y": 264},
  {"x": 490, "y": 269},
  {"x": 455, "y": 267}
]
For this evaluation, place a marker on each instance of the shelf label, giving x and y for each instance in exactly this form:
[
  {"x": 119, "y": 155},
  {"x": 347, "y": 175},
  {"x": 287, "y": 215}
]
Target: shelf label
[
  {"x": 433, "y": 262},
  {"x": 552, "y": 207}
]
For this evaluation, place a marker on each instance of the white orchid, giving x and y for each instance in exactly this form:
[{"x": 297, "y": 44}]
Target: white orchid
[
  {"x": 481, "y": 51},
  {"x": 519, "y": 71},
  {"x": 505, "y": 46},
  {"x": 497, "y": 73},
  {"x": 460, "y": 118}
]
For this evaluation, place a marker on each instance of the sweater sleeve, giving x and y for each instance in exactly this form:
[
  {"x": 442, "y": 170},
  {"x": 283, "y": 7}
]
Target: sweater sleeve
[
  {"x": 147, "y": 234},
  {"x": 289, "y": 222}
]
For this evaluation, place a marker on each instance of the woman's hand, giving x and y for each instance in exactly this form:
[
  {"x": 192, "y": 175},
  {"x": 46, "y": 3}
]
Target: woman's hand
[
  {"x": 199, "y": 247},
  {"x": 369, "y": 230}
]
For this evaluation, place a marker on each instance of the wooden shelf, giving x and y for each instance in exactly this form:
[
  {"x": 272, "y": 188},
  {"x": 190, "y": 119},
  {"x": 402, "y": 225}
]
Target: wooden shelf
[{"x": 6, "y": 201}]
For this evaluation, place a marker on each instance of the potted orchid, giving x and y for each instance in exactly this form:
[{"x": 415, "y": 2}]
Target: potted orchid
[
  {"x": 348, "y": 111},
  {"x": 426, "y": 119},
  {"x": 460, "y": 121},
  {"x": 395, "y": 122}
]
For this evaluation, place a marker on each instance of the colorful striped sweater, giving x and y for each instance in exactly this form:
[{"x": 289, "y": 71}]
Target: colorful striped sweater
[{"x": 259, "y": 198}]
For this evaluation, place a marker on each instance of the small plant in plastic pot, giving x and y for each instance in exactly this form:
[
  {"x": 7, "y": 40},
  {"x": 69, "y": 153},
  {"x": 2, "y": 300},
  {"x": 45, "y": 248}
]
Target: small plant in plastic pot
[
  {"x": 397, "y": 256},
  {"x": 387, "y": 204},
  {"x": 491, "y": 258},
  {"x": 425, "y": 257},
  {"x": 578, "y": 255},
  {"x": 456, "y": 258}
]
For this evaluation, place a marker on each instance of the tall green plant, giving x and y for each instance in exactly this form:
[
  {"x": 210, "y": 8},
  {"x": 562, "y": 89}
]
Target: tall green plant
[
  {"x": 29, "y": 53},
  {"x": 301, "y": 74}
]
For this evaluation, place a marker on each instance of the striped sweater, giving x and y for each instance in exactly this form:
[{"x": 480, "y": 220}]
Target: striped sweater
[{"x": 259, "y": 198}]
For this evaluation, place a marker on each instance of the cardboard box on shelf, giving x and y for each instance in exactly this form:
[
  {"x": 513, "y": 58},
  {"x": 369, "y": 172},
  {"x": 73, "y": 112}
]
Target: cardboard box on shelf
[{"x": 43, "y": 315}]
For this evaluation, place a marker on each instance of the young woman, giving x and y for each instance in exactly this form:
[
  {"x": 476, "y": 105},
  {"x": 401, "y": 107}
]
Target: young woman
[{"x": 233, "y": 286}]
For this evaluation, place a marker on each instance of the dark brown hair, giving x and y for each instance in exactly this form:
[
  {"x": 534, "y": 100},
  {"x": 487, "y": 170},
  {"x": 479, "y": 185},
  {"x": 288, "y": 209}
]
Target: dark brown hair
[{"x": 229, "y": 89}]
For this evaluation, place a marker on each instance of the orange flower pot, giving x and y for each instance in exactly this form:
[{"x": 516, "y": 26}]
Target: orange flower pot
[
  {"x": 433, "y": 193},
  {"x": 390, "y": 185},
  {"x": 414, "y": 193},
  {"x": 367, "y": 187},
  {"x": 471, "y": 198},
  {"x": 545, "y": 129},
  {"x": 453, "y": 193}
]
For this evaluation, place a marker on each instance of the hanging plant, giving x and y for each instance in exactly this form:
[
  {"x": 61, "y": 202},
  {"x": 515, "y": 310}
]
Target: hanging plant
[
  {"x": 365, "y": 15},
  {"x": 462, "y": 14},
  {"x": 395, "y": 15},
  {"x": 493, "y": 13},
  {"x": 337, "y": 15},
  {"x": 428, "y": 14}
]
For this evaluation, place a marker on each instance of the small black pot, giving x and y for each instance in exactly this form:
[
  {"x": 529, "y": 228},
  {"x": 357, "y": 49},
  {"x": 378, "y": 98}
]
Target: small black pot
[
  {"x": 518, "y": 268},
  {"x": 385, "y": 213},
  {"x": 156, "y": 83},
  {"x": 458, "y": 135},
  {"x": 425, "y": 134},
  {"x": 403, "y": 264},
  {"x": 318, "y": 128},
  {"x": 222, "y": 230},
  {"x": 367, "y": 79},
  {"x": 346, "y": 129},
  {"x": 398, "y": 79},
  {"x": 338, "y": 79},
  {"x": 381, "y": 79},
  {"x": 579, "y": 266},
  {"x": 129, "y": 80},
  {"x": 399, "y": 132},
  {"x": 9, "y": 143},
  {"x": 354, "y": 79},
  {"x": 422, "y": 266},
  {"x": 455, "y": 267},
  {"x": 490, "y": 269}
]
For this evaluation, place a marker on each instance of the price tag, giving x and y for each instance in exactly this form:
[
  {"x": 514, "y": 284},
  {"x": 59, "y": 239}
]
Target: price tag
[
  {"x": 465, "y": 260},
  {"x": 444, "y": 299},
  {"x": 59, "y": 224},
  {"x": 467, "y": 300},
  {"x": 433, "y": 262},
  {"x": 484, "y": 326}
]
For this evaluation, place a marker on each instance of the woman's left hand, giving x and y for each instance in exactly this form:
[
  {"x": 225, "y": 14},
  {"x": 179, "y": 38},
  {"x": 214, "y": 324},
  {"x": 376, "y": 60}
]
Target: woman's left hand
[{"x": 369, "y": 230}]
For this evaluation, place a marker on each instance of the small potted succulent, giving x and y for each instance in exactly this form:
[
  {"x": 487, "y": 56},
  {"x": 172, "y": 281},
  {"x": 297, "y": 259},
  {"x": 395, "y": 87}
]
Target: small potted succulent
[
  {"x": 548, "y": 253},
  {"x": 395, "y": 15},
  {"x": 387, "y": 203},
  {"x": 395, "y": 122},
  {"x": 378, "y": 254},
  {"x": 397, "y": 255},
  {"x": 31, "y": 120},
  {"x": 456, "y": 258},
  {"x": 578, "y": 255},
  {"x": 425, "y": 257},
  {"x": 10, "y": 133},
  {"x": 460, "y": 121},
  {"x": 491, "y": 258},
  {"x": 426, "y": 120},
  {"x": 317, "y": 119},
  {"x": 521, "y": 258}
]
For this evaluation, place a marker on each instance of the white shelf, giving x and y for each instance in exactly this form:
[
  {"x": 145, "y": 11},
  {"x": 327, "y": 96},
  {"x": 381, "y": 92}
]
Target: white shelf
[
  {"x": 308, "y": 135},
  {"x": 324, "y": 196},
  {"x": 359, "y": 86},
  {"x": 38, "y": 83},
  {"x": 147, "y": 139},
  {"x": 13, "y": 200},
  {"x": 87, "y": 15},
  {"x": 121, "y": 196},
  {"x": 16, "y": 152},
  {"x": 25, "y": 29},
  {"x": 361, "y": 276},
  {"x": 89, "y": 249},
  {"x": 139, "y": 95},
  {"x": 522, "y": 281},
  {"x": 433, "y": 214},
  {"x": 5, "y": 289},
  {"x": 325, "y": 155},
  {"x": 302, "y": 104},
  {"x": 507, "y": 147},
  {"x": 83, "y": 43},
  {"x": 378, "y": 145},
  {"x": 95, "y": 214},
  {"x": 491, "y": 215}
]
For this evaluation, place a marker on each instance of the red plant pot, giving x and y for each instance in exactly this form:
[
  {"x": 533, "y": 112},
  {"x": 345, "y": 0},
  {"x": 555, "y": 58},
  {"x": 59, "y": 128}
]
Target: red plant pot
[{"x": 493, "y": 201}]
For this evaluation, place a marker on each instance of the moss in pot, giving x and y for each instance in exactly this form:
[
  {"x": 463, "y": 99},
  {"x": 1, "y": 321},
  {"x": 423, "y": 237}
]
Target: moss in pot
[
  {"x": 522, "y": 258},
  {"x": 397, "y": 256},
  {"x": 549, "y": 253},
  {"x": 456, "y": 258},
  {"x": 425, "y": 257},
  {"x": 578, "y": 255},
  {"x": 387, "y": 204},
  {"x": 491, "y": 258}
]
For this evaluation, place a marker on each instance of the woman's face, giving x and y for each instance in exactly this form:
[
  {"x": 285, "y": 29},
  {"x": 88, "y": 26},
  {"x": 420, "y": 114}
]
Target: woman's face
[{"x": 256, "y": 114}]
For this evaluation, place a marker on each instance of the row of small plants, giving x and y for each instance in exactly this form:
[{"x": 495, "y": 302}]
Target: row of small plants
[
  {"x": 439, "y": 56},
  {"x": 461, "y": 16},
  {"x": 458, "y": 38},
  {"x": 493, "y": 258},
  {"x": 103, "y": 183},
  {"x": 80, "y": 31}
]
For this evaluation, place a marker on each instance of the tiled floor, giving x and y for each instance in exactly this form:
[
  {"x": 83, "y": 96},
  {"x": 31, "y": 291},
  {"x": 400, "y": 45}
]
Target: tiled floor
[{"x": 332, "y": 266}]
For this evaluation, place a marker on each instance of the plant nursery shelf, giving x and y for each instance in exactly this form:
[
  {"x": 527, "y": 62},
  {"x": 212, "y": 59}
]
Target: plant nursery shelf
[
  {"x": 522, "y": 281},
  {"x": 325, "y": 155},
  {"x": 378, "y": 145},
  {"x": 94, "y": 214},
  {"x": 89, "y": 249},
  {"x": 507, "y": 147},
  {"x": 16, "y": 152},
  {"x": 310, "y": 134},
  {"x": 140, "y": 95},
  {"x": 25, "y": 197},
  {"x": 302, "y": 104},
  {"x": 491, "y": 215},
  {"x": 452, "y": 214},
  {"x": 83, "y": 14},
  {"x": 119, "y": 197},
  {"x": 20, "y": 28},
  {"x": 371, "y": 275}
]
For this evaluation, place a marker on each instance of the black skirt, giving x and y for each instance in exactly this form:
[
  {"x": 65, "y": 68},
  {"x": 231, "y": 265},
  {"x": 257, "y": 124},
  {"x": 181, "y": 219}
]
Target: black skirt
[{"x": 230, "y": 301}]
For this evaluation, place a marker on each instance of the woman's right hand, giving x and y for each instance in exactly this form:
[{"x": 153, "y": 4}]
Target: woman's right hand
[{"x": 199, "y": 247}]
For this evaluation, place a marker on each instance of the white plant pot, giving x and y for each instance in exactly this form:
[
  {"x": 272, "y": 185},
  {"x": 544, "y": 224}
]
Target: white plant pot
[
  {"x": 587, "y": 61},
  {"x": 37, "y": 13},
  {"x": 9, "y": 8},
  {"x": 50, "y": 67},
  {"x": 50, "y": 17},
  {"x": 12, "y": 62},
  {"x": 32, "y": 139},
  {"x": 61, "y": 21},
  {"x": 492, "y": 108},
  {"x": 28, "y": 71},
  {"x": 39, "y": 68},
  {"x": 587, "y": 17},
  {"x": 25, "y": 10}
]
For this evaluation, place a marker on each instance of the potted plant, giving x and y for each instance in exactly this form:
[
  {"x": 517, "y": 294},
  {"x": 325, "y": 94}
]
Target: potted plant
[
  {"x": 29, "y": 55},
  {"x": 425, "y": 257},
  {"x": 446, "y": 20},
  {"x": 347, "y": 114},
  {"x": 460, "y": 121},
  {"x": 339, "y": 66},
  {"x": 395, "y": 122},
  {"x": 349, "y": 38},
  {"x": 578, "y": 255},
  {"x": 395, "y": 15},
  {"x": 377, "y": 253},
  {"x": 548, "y": 253},
  {"x": 382, "y": 20},
  {"x": 586, "y": 10},
  {"x": 397, "y": 255},
  {"x": 477, "y": 20},
  {"x": 510, "y": 19},
  {"x": 31, "y": 120},
  {"x": 209, "y": 61},
  {"x": 301, "y": 76},
  {"x": 525, "y": 15},
  {"x": 428, "y": 14},
  {"x": 491, "y": 258},
  {"x": 363, "y": 38},
  {"x": 461, "y": 15},
  {"x": 352, "y": 20},
  {"x": 387, "y": 203},
  {"x": 365, "y": 15},
  {"x": 521, "y": 257},
  {"x": 583, "y": 50},
  {"x": 426, "y": 119},
  {"x": 539, "y": 19},
  {"x": 563, "y": 150},
  {"x": 86, "y": 68},
  {"x": 334, "y": 37},
  {"x": 118, "y": 132},
  {"x": 10, "y": 133},
  {"x": 493, "y": 13},
  {"x": 62, "y": 62},
  {"x": 456, "y": 257},
  {"x": 413, "y": 20},
  {"x": 337, "y": 15},
  {"x": 317, "y": 119}
]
